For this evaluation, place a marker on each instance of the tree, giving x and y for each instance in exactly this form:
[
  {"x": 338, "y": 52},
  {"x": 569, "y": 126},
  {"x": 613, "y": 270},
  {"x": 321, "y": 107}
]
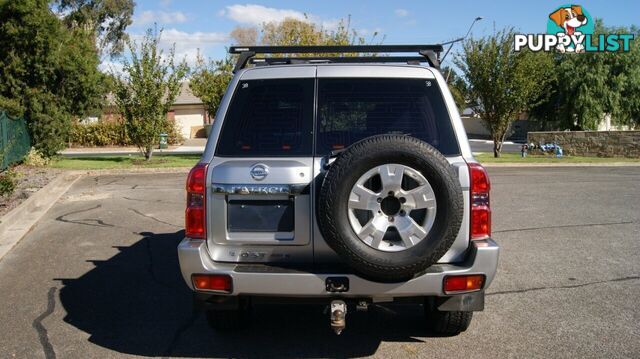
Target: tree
[
  {"x": 149, "y": 89},
  {"x": 48, "y": 73},
  {"x": 290, "y": 32},
  {"x": 210, "y": 80},
  {"x": 590, "y": 86},
  {"x": 502, "y": 82},
  {"x": 457, "y": 87},
  {"x": 244, "y": 36},
  {"x": 105, "y": 20}
]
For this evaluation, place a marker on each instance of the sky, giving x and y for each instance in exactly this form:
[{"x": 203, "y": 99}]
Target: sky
[{"x": 205, "y": 25}]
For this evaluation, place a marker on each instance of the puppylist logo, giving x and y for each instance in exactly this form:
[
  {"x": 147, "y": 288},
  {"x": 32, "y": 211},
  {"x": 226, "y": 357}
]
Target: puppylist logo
[{"x": 570, "y": 28}]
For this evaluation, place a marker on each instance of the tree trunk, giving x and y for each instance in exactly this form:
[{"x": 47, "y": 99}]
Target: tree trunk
[
  {"x": 497, "y": 148},
  {"x": 148, "y": 153},
  {"x": 498, "y": 140}
]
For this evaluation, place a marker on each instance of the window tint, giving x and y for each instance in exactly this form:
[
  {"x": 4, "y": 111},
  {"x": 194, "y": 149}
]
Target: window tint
[
  {"x": 269, "y": 118},
  {"x": 352, "y": 109}
]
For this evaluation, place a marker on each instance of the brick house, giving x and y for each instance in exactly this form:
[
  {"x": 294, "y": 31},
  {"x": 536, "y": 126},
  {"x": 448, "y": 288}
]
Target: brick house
[{"x": 188, "y": 112}]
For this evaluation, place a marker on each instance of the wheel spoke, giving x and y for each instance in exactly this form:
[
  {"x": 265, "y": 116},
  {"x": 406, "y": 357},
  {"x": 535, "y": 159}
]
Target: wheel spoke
[
  {"x": 420, "y": 197},
  {"x": 376, "y": 229},
  {"x": 410, "y": 232},
  {"x": 391, "y": 176},
  {"x": 362, "y": 198}
]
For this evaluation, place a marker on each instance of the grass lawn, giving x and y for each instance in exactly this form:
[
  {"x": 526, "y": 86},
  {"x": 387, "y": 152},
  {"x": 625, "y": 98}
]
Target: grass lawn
[
  {"x": 486, "y": 157},
  {"x": 114, "y": 162},
  {"x": 160, "y": 161}
]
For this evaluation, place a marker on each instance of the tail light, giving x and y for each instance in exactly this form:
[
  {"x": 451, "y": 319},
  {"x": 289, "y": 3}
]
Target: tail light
[
  {"x": 195, "y": 216},
  {"x": 480, "y": 205}
]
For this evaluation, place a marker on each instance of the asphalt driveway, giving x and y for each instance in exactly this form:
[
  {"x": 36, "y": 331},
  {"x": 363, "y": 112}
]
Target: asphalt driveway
[{"x": 98, "y": 277}]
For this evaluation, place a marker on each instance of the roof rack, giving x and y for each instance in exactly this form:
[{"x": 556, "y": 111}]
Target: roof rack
[{"x": 428, "y": 53}]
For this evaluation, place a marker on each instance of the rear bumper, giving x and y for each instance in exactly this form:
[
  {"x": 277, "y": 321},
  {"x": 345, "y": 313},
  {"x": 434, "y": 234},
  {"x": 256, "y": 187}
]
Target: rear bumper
[{"x": 194, "y": 259}]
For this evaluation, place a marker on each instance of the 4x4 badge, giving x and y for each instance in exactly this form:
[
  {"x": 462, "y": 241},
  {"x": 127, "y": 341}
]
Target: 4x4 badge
[{"x": 259, "y": 172}]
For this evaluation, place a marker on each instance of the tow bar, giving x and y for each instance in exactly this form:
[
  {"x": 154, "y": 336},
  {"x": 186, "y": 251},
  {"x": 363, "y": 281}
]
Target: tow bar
[{"x": 338, "y": 309}]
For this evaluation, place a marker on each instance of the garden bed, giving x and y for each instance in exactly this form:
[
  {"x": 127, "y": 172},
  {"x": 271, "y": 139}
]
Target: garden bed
[{"x": 29, "y": 181}]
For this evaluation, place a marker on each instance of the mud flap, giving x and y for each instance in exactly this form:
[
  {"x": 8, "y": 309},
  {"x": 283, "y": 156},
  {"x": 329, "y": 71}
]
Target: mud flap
[{"x": 469, "y": 302}]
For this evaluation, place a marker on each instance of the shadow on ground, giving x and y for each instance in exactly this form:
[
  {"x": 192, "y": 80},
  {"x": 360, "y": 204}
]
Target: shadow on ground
[{"x": 137, "y": 303}]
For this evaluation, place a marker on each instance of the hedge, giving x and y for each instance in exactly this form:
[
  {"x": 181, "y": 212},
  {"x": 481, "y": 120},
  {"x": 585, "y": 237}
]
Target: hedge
[{"x": 111, "y": 134}]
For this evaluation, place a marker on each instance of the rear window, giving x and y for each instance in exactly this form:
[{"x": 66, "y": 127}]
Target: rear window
[
  {"x": 352, "y": 109},
  {"x": 269, "y": 118}
]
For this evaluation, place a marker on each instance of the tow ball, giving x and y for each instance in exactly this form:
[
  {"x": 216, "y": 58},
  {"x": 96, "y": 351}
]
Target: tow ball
[{"x": 338, "y": 309}]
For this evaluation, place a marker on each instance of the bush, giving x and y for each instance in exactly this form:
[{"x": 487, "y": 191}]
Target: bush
[
  {"x": 112, "y": 134},
  {"x": 48, "y": 123},
  {"x": 99, "y": 134},
  {"x": 35, "y": 158},
  {"x": 8, "y": 183},
  {"x": 171, "y": 129}
]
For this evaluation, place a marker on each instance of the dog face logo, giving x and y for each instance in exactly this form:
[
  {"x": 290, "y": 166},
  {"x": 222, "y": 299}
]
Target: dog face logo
[
  {"x": 570, "y": 21},
  {"x": 569, "y": 18},
  {"x": 570, "y": 28}
]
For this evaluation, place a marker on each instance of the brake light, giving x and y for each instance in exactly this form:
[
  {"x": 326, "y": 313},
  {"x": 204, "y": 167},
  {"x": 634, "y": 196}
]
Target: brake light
[
  {"x": 480, "y": 204},
  {"x": 463, "y": 283},
  {"x": 195, "y": 217}
]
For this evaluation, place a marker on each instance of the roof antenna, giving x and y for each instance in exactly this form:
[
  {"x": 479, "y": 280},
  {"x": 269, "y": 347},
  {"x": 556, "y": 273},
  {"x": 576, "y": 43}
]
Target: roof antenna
[{"x": 451, "y": 43}]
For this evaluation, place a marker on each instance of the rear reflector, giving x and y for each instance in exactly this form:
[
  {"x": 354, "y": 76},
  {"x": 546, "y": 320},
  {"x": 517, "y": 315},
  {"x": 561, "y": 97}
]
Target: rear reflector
[
  {"x": 212, "y": 282},
  {"x": 463, "y": 283}
]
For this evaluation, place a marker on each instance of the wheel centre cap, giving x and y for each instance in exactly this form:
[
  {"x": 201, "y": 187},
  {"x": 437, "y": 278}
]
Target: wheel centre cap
[{"x": 390, "y": 206}]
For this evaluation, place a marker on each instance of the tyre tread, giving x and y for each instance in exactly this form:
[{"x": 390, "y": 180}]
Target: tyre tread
[{"x": 332, "y": 181}]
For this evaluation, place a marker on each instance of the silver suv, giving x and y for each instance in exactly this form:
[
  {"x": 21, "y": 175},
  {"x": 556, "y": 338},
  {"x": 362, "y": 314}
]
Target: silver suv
[{"x": 342, "y": 180}]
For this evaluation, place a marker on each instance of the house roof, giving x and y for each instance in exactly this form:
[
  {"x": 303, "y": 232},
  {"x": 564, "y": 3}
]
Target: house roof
[{"x": 186, "y": 97}]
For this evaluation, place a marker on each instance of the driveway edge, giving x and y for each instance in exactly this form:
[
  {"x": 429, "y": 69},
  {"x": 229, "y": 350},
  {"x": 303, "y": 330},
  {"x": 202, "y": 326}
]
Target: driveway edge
[
  {"x": 18, "y": 222},
  {"x": 15, "y": 224},
  {"x": 525, "y": 165}
]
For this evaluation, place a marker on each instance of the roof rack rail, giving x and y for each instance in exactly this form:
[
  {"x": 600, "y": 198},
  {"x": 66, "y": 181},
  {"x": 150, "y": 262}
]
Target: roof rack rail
[{"x": 429, "y": 53}]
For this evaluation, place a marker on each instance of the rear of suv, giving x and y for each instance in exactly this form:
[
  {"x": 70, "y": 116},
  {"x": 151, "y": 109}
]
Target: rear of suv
[{"x": 342, "y": 180}]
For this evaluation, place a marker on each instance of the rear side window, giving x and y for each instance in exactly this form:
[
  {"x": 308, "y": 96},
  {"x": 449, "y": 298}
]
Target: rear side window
[
  {"x": 269, "y": 118},
  {"x": 352, "y": 109}
]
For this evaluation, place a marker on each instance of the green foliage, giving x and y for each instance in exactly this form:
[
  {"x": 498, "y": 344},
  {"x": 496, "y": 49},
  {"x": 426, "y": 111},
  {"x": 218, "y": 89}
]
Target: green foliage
[
  {"x": 48, "y": 122},
  {"x": 8, "y": 183},
  {"x": 502, "y": 82},
  {"x": 289, "y": 32},
  {"x": 48, "y": 72},
  {"x": 146, "y": 94},
  {"x": 12, "y": 107},
  {"x": 99, "y": 134},
  {"x": 210, "y": 80},
  {"x": 113, "y": 134},
  {"x": 105, "y": 20},
  {"x": 35, "y": 158},
  {"x": 112, "y": 162},
  {"x": 587, "y": 86},
  {"x": 457, "y": 87}
]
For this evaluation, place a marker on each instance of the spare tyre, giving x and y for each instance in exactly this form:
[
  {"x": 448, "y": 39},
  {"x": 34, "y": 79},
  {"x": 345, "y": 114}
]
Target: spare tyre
[{"x": 390, "y": 206}]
